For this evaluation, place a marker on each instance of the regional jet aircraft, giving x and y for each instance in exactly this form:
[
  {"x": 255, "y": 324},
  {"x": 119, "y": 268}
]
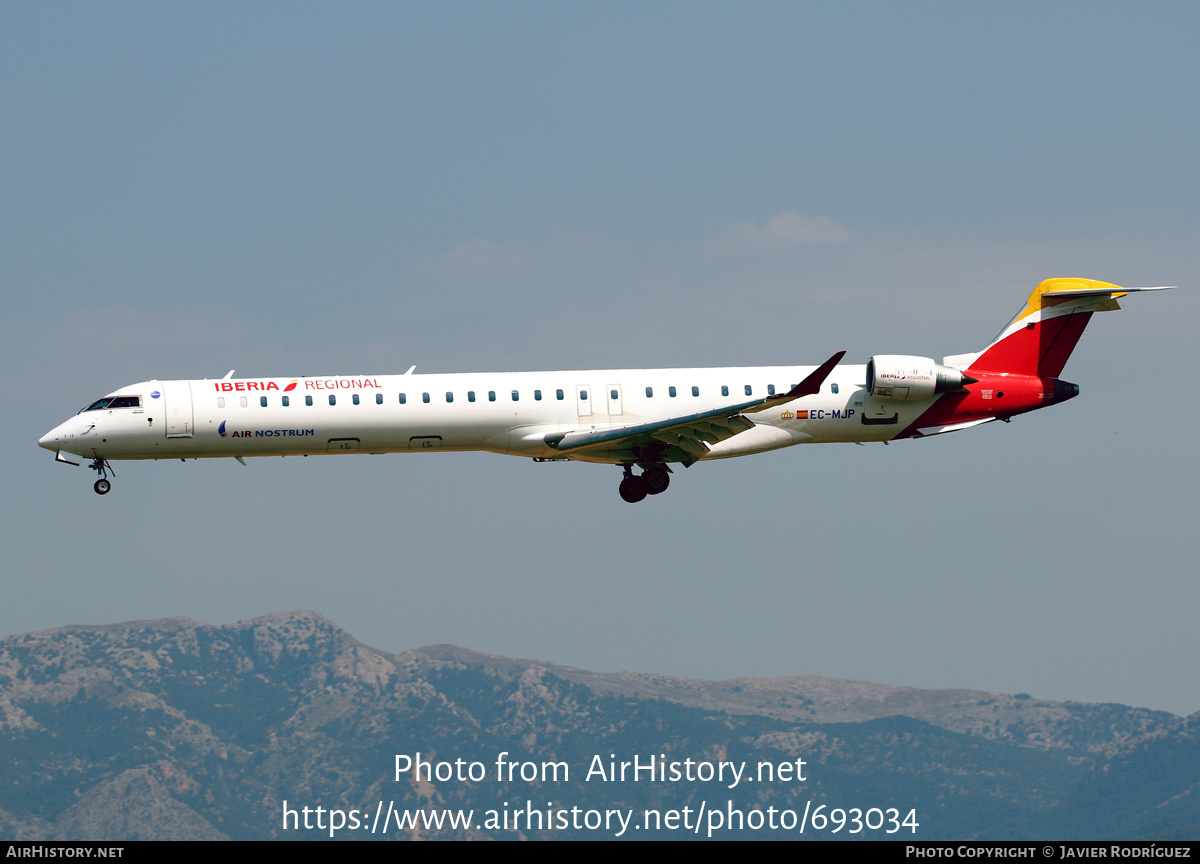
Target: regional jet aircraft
[{"x": 649, "y": 419}]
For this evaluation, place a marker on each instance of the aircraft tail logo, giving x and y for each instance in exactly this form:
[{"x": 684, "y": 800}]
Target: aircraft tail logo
[{"x": 1043, "y": 334}]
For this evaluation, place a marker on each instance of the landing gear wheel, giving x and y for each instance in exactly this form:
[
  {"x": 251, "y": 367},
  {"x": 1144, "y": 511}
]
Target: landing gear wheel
[
  {"x": 102, "y": 486},
  {"x": 633, "y": 489},
  {"x": 656, "y": 480}
]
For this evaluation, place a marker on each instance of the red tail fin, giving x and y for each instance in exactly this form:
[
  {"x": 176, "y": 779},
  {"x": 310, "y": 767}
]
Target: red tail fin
[{"x": 1042, "y": 336}]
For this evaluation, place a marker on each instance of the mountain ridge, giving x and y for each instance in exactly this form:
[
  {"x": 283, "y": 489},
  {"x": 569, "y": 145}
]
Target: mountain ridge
[{"x": 209, "y": 727}]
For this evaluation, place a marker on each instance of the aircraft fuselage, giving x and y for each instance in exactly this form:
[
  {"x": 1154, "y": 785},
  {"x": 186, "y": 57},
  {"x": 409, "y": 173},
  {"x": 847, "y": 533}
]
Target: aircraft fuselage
[
  {"x": 510, "y": 413},
  {"x": 645, "y": 418}
]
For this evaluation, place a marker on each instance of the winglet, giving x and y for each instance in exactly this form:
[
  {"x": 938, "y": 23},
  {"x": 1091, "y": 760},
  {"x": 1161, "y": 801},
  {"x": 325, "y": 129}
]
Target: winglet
[
  {"x": 812, "y": 384},
  {"x": 807, "y": 387}
]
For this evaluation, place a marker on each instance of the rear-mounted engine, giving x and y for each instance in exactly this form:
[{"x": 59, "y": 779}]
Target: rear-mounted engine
[{"x": 899, "y": 376}]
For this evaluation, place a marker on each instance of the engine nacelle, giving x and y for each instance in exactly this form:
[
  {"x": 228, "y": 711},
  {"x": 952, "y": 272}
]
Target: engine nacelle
[{"x": 899, "y": 376}]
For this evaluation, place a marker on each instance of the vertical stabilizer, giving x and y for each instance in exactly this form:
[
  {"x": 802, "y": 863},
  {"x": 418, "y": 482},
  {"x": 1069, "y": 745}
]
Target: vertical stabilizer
[{"x": 1040, "y": 338}]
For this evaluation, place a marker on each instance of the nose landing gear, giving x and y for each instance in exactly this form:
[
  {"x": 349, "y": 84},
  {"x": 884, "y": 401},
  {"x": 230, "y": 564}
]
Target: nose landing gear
[
  {"x": 652, "y": 481},
  {"x": 101, "y": 467}
]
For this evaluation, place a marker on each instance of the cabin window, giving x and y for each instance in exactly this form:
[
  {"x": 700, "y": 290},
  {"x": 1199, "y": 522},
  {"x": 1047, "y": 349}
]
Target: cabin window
[
  {"x": 354, "y": 399},
  {"x": 649, "y": 392},
  {"x": 724, "y": 390},
  {"x": 516, "y": 396},
  {"x": 449, "y": 396},
  {"x": 308, "y": 400},
  {"x": 286, "y": 400},
  {"x": 262, "y": 400},
  {"x": 424, "y": 397},
  {"x": 833, "y": 388},
  {"x": 770, "y": 389},
  {"x": 671, "y": 392},
  {"x": 695, "y": 391},
  {"x": 491, "y": 395},
  {"x": 378, "y": 398},
  {"x": 537, "y": 395},
  {"x": 749, "y": 390},
  {"x": 244, "y": 401},
  {"x": 470, "y": 395},
  {"x": 221, "y": 401},
  {"x": 613, "y": 394},
  {"x": 583, "y": 395},
  {"x": 403, "y": 398},
  {"x": 332, "y": 399},
  {"x": 559, "y": 395}
]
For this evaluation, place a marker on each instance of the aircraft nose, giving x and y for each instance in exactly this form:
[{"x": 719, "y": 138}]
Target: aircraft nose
[{"x": 55, "y": 438}]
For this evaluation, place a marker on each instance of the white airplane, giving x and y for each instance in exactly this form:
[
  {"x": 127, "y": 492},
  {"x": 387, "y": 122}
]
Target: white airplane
[{"x": 648, "y": 418}]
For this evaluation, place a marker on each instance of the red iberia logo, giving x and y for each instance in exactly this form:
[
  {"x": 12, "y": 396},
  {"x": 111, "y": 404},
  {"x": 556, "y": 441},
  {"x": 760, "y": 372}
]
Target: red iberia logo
[
  {"x": 224, "y": 386},
  {"x": 230, "y": 386}
]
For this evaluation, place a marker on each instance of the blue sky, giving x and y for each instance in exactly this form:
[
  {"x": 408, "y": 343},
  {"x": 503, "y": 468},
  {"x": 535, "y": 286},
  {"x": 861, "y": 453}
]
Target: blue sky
[{"x": 290, "y": 189}]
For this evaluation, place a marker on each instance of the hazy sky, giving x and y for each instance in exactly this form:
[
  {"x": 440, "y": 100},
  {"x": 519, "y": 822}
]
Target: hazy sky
[{"x": 290, "y": 189}]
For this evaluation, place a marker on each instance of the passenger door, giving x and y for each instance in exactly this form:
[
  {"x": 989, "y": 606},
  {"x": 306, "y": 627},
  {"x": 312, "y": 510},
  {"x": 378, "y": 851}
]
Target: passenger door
[
  {"x": 613, "y": 391},
  {"x": 180, "y": 421}
]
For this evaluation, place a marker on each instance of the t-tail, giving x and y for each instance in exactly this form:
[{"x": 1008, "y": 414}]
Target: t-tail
[
  {"x": 1042, "y": 336},
  {"x": 1020, "y": 370}
]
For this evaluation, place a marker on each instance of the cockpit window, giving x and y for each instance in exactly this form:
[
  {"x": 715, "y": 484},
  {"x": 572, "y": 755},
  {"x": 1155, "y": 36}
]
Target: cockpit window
[{"x": 115, "y": 402}]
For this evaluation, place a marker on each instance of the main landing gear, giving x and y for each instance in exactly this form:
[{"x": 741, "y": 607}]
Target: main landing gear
[
  {"x": 651, "y": 481},
  {"x": 101, "y": 467}
]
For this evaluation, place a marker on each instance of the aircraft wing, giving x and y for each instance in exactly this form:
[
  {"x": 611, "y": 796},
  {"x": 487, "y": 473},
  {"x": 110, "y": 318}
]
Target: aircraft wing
[{"x": 686, "y": 438}]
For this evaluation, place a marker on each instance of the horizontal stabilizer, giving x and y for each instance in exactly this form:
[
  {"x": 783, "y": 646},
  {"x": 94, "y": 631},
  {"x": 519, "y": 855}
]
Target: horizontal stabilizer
[{"x": 1107, "y": 289}]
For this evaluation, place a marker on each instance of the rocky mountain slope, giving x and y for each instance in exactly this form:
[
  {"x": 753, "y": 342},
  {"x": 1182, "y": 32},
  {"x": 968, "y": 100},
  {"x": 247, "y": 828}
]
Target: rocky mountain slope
[{"x": 177, "y": 729}]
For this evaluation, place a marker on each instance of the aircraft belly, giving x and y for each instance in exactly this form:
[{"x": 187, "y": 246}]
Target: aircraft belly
[
  {"x": 853, "y": 417},
  {"x": 756, "y": 440}
]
